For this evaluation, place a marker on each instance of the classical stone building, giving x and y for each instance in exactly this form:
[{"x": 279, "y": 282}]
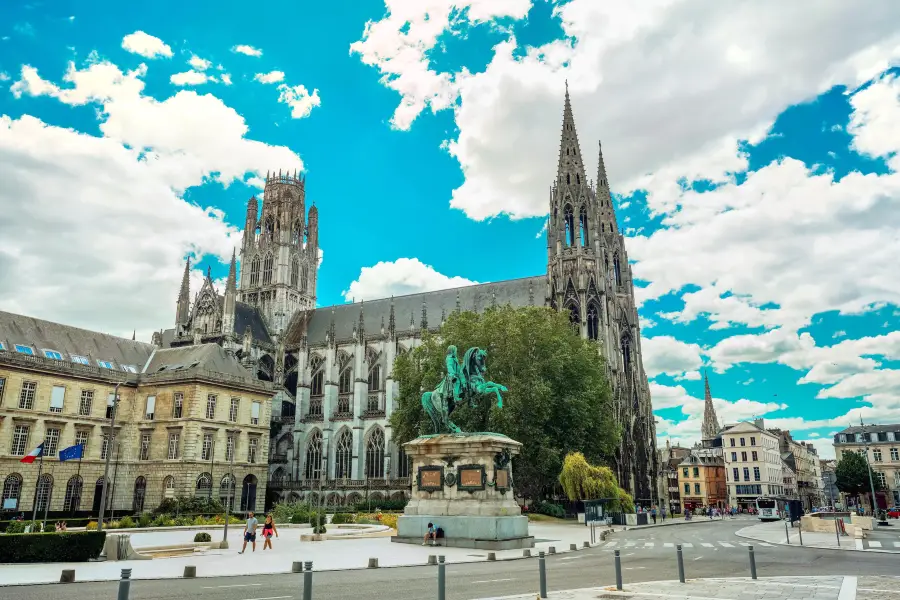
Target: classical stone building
[
  {"x": 182, "y": 415},
  {"x": 669, "y": 492},
  {"x": 753, "y": 465},
  {"x": 333, "y": 365},
  {"x": 701, "y": 477},
  {"x": 880, "y": 444}
]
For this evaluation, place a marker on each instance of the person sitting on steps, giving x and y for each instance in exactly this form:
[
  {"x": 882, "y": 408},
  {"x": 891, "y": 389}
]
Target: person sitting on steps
[{"x": 431, "y": 534}]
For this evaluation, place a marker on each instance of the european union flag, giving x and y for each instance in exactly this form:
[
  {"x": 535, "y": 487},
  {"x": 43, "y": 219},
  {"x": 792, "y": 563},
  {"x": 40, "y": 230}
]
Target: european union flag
[{"x": 72, "y": 452}]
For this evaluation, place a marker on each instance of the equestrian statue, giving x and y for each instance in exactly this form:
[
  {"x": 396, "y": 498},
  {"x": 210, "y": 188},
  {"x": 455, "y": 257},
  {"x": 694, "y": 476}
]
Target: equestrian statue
[{"x": 463, "y": 383}]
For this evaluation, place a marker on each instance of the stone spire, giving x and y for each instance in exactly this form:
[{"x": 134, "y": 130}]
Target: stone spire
[
  {"x": 710, "y": 427},
  {"x": 361, "y": 327},
  {"x": 605, "y": 208},
  {"x": 230, "y": 303},
  {"x": 231, "y": 284},
  {"x": 424, "y": 323},
  {"x": 182, "y": 309},
  {"x": 392, "y": 320},
  {"x": 571, "y": 166}
]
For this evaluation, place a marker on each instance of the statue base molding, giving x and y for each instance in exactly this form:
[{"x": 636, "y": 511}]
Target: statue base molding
[{"x": 462, "y": 483}]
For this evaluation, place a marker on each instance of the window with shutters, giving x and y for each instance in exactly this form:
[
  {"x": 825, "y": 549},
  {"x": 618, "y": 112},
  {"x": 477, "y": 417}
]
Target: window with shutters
[
  {"x": 177, "y": 405},
  {"x": 57, "y": 398},
  {"x": 86, "y": 403}
]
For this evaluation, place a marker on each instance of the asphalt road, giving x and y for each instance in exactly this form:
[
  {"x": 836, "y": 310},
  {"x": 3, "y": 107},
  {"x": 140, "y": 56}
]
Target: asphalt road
[{"x": 710, "y": 550}]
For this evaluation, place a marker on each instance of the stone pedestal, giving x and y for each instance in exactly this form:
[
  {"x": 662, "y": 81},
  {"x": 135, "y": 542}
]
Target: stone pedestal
[{"x": 462, "y": 483}]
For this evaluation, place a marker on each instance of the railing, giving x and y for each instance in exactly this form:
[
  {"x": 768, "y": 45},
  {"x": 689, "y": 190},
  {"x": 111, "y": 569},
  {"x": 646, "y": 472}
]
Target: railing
[
  {"x": 343, "y": 403},
  {"x": 342, "y": 416},
  {"x": 279, "y": 457},
  {"x": 373, "y": 414},
  {"x": 313, "y": 418},
  {"x": 373, "y": 403},
  {"x": 60, "y": 366},
  {"x": 205, "y": 374}
]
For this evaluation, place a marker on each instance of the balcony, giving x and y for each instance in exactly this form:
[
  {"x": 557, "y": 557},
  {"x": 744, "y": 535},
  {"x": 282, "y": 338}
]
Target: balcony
[
  {"x": 278, "y": 457},
  {"x": 314, "y": 414},
  {"x": 397, "y": 483}
]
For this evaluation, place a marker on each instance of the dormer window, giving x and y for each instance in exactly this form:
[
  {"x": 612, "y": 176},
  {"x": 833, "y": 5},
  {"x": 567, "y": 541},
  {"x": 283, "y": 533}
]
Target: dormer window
[
  {"x": 22, "y": 349},
  {"x": 2, "y": 346},
  {"x": 105, "y": 364},
  {"x": 52, "y": 354},
  {"x": 81, "y": 360},
  {"x": 129, "y": 368}
]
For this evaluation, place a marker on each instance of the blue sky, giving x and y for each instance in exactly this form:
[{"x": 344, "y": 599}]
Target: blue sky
[{"x": 753, "y": 155}]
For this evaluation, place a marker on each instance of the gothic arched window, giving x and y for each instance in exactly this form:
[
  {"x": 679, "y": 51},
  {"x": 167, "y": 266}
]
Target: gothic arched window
[
  {"x": 295, "y": 272},
  {"x": 44, "y": 490},
  {"x": 268, "y": 262},
  {"x": 343, "y": 457},
  {"x": 270, "y": 229},
  {"x": 304, "y": 280},
  {"x": 626, "y": 353},
  {"x": 169, "y": 487},
  {"x": 375, "y": 378},
  {"x": 568, "y": 179},
  {"x": 583, "y": 225},
  {"x": 617, "y": 268},
  {"x": 254, "y": 271},
  {"x": 315, "y": 386},
  {"x": 314, "y": 456},
  {"x": 575, "y": 318},
  {"x": 570, "y": 225},
  {"x": 297, "y": 233},
  {"x": 345, "y": 381},
  {"x": 593, "y": 322},
  {"x": 577, "y": 178},
  {"x": 226, "y": 491},
  {"x": 375, "y": 454}
]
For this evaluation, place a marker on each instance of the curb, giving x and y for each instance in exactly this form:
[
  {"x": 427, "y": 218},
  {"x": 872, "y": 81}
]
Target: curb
[
  {"x": 674, "y": 522},
  {"x": 841, "y": 549}
]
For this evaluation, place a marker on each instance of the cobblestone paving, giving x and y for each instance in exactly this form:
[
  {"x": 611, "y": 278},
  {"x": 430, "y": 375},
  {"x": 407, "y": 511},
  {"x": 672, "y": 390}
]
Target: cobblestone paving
[{"x": 878, "y": 588}]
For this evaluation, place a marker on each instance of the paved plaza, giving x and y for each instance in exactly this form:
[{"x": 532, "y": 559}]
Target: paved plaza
[{"x": 883, "y": 539}]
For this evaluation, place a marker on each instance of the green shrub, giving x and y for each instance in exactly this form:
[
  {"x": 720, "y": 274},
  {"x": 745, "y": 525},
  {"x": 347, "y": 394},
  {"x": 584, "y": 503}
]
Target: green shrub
[
  {"x": 145, "y": 520},
  {"x": 319, "y": 530},
  {"x": 382, "y": 505},
  {"x": 126, "y": 523},
  {"x": 51, "y": 547},
  {"x": 17, "y": 526},
  {"x": 340, "y": 518},
  {"x": 549, "y": 509},
  {"x": 202, "y": 537},
  {"x": 285, "y": 511},
  {"x": 191, "y": 505}
]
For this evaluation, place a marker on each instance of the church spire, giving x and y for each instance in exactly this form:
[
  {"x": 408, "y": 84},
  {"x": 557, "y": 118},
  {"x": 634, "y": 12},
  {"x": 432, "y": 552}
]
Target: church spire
[
  {"x": 231, "y": 284},
  {"x": 710, "y": 427},
  {"x": 182, "y": 308},
  {"x": 604, "y": 198},
  {"x": 228, "y": 316},
  {"x": 571, "y": 167}
]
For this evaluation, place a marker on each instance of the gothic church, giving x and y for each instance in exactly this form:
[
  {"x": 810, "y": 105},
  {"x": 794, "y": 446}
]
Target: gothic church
[{"x": 333, "y": 365}]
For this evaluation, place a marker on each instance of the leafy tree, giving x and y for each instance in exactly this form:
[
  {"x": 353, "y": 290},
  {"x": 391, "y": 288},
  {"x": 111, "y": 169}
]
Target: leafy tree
[
  {"x": 558, "y": 400},
  {"x": 581, "y": 480},
  {"x": 852, "y": 475}
]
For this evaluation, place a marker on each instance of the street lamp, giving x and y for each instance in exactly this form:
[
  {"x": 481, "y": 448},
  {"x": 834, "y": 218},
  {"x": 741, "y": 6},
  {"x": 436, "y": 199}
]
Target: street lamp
[
  {"x": 869, "y": 469},
  {"x": 109, "y": 447},
  {"x": 229, "y": 492}
]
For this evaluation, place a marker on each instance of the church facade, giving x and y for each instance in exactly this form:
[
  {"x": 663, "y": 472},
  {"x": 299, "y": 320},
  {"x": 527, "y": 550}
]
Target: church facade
[{"x": 333, "y": 365}]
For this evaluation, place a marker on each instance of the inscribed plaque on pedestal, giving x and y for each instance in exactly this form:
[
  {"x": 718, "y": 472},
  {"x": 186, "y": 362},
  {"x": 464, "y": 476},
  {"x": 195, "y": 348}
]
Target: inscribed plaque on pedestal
[{"x": 471, "y": 478}]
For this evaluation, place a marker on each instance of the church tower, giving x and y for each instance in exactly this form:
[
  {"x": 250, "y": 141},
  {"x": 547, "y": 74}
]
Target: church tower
[
  {"x": 279, "y": 255},
  {"x": 589, "y": 278},
  {"x": 710, "y": 428}
]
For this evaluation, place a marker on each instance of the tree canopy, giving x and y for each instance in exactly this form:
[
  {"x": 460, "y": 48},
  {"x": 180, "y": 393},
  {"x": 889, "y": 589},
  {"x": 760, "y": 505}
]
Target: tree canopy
[
  {"x": 558, "y": 400},
  {"x": 581, "y": 480},
  {"x": 852, "y": 475}
]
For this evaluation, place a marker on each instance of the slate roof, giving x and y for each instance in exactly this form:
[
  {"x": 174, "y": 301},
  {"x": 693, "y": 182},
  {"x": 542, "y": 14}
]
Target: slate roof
[
  {"x": 516, "y": 292},
  {"x": 46, "y": 335},
  {"x": 870, "y": 429},
  {"x": 211, "y": 357},
  {"x": 248, "y": 315}
]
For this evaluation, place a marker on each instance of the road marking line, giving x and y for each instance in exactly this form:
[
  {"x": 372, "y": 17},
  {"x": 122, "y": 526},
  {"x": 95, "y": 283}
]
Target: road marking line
[
  {"x": 875, "y": 590},
  {"x": 668, "y": 545},
  {"x": 612, "y": 543},
  {"x": 745, "y": 544},
  {"x": 629, "y": 544},
  {"x": 766, "y": 544},
  {"x": 271, "y": 598},
  {"x": 493, "y": 580},
  {"x": 698, "y": 558},
  {"x": 687, "y": 545},
  {"x": 848, "y": 588},
  {"x": 726, "y": 544},
  {"x": 874, "y": 544},
  {"x": 213, "y": 587},
  {"x": 649, "y": 545},
  {"x": 859, "y": 544},
  {"x": 707, "y": 545},
  {"x": 571, "y": 557},
  {"x": 630, "y": 554}
]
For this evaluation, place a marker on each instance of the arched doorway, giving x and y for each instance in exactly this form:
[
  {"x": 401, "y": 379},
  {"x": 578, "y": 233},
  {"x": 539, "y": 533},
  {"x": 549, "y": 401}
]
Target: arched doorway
[
  {"x": 140, "y": 490},
  {"x": 98, "y": 497},
  {"x": 248, "y": 493},
  {"x": 72, "y": 501}
]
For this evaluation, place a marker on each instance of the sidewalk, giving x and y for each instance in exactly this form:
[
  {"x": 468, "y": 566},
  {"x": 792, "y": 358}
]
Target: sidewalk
[
  {"x": 329, "y": 555},
  {"x": 774, "y": 533},
  {"x": 734, "y": 588},
  {"x": 681, "y": 521}
]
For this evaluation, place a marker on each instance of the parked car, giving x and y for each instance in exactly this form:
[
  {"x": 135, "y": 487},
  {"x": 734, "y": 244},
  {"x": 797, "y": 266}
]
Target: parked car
[{"x": 894, "y": 513}]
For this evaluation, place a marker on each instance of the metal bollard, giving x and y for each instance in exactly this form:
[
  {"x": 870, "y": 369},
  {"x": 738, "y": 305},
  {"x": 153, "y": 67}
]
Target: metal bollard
[
  {"x": 307, "y": 580},
  {"x": 492, "y": 556},
  {"x": 836, "y": 533},
  {"x": 296, "y": 567},
  {"x": 373, "y": 563},
  {"x": 786, "y": 534},
  {"x": 800, "y": 531},
  {"x": 680, "y": 564},
  {"x": 618, "y": 571},
  {"x": 542, "y": 571},
  {"x": 752, "y": 563},
  {"x": 526, "y": 553},
  {"x": 125, "y": 585},
  {"x": 442, "y": 578},
  {"x": 552, "y": 550},
  {"x": 189, "y": 572},
  {"x": 67, "y": 576}
]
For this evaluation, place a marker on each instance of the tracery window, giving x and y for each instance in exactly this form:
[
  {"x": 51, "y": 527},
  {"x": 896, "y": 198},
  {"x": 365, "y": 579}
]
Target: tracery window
[
  {"x": 344, "y": 456},
  {"x": 375, "y": 454}
]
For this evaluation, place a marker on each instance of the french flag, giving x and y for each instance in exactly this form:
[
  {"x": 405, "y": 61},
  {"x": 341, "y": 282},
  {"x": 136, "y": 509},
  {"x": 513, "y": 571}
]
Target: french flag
[{"x": 29, "y": 458}]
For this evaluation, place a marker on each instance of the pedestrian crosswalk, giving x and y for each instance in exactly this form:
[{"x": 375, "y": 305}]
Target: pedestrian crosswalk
[
  {"x": 643, "y": 545},
  {"x": 885, "y": 544}
]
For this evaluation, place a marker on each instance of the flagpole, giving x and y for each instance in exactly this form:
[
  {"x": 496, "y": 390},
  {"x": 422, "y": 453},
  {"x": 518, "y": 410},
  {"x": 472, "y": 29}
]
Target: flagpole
[
  {"x": 36, "y": 485},
  {"x": 80, "y": 483},
  {"x": 49, "y": 495}
]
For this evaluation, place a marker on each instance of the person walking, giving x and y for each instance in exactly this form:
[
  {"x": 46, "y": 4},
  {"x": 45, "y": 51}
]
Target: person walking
[
  {"x": 662, "y": 511},
  {"x": 250, "y": 532},
  {"x": 268, "y": 529},
  {"x": 653, "y": 514}
]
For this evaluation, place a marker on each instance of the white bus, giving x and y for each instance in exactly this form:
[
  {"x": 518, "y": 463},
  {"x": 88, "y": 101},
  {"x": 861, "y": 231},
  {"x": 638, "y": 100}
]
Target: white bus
[{"x": 769, "y": 508}]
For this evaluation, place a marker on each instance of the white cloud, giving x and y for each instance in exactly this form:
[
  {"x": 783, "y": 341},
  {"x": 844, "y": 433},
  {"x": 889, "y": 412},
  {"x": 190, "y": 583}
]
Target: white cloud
[
  {"x": 248, "y": 50},
  {"x": 665, "y": 354},
  {"x": 710, "y": 67},
  {"x": 270, "y": 77},
  {"x": 299, "y": 99},
  {"x": 146, "y": 45},
  {"x": 400, "y": 277},
  {"x": 4, "y": 76},
  {"x": 190, "y": 78},
  {"x": 114, "y": 229},
  {"x": 226, "y": 78},
  {"x": 199, "y": 64}
]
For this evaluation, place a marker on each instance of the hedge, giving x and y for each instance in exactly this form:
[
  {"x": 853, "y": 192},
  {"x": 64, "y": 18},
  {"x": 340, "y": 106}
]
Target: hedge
[{"x": 51, "y": 547}]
